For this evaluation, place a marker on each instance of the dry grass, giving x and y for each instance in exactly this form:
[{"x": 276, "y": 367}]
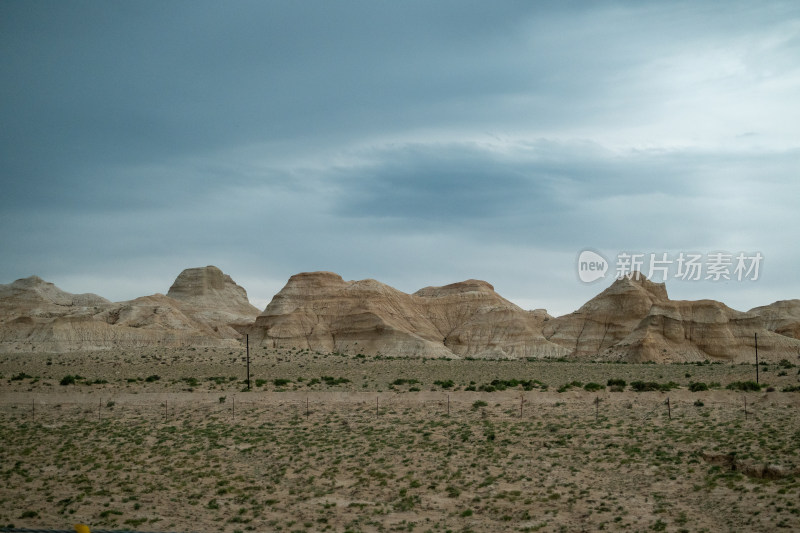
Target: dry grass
[{"x": 114, "y": 455}]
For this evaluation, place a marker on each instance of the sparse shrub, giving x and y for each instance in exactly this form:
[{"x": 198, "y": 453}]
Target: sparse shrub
[
  {"x": 744, "y": 386},
  {"x": 698, "y": 403},
  {"x": 641, "y": 386},
  {"x": 446, "y": 384},
  {"x": 452, "y": 492},
  {"x": 331, "y": 381},
  {"x": 261, "y": 382},
  {"x": 566, "y": 386},
  {"x": 20, "y": 376},
  {"x": 785, "y": 363},
  {"x": 616, "y": 382},
  {"x": 281, "y": 382},
  {"x": 69, "y": 379},
  {"x": 222, "y": 399},
  {"x": 478, "y": 404},
  {"x": 151, "y": 379},
  {"x": 645, "y": 386},
  {"x": 697, "y": 386},
  {"x": 592, "y": 387}
]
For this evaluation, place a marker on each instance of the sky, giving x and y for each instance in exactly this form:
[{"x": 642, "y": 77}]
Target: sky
[{"x": 417, "y": 143}]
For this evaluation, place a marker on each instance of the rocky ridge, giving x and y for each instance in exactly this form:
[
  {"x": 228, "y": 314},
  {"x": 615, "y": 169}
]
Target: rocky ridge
[
  {"x": 38, "y": 316},
  {"x": 632, "y": 320}
]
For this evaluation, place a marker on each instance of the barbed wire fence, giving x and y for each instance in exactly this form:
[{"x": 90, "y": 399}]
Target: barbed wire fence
[{"x": 255, "y": 408}]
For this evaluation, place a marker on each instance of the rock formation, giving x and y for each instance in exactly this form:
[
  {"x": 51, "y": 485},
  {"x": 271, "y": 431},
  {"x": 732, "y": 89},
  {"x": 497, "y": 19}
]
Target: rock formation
[
  {"x": 212, "y": 298},
  {"x": 322, "y": 312},
  {"x": 634, "y": 320},
  {"x": 607, "y": 318},
  {"x": 782, "y": 317},
  {"x": 38, "y": 316}
]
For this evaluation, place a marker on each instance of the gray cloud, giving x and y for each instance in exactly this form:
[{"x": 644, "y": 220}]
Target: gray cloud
[{"x": 415, "y": 143}]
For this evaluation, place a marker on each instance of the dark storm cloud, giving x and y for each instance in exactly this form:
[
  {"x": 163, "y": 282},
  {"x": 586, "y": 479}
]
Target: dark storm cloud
[{"x": 283, "y": 136}]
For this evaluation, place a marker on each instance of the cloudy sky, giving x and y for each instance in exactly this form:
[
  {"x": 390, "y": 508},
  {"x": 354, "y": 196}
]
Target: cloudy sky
[{"x": 417, "y": 142}]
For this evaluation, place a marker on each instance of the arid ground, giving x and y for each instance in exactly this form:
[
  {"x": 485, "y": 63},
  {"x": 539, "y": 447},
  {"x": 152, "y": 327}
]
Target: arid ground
[{"x": 166, "y": 440}]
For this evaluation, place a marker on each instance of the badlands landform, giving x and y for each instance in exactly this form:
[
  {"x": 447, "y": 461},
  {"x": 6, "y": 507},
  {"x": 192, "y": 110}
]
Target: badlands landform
[{"x": 632, "y": 320}]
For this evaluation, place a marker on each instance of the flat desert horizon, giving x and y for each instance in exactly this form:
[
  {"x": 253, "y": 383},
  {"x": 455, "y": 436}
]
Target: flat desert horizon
[{"x": 171, "y": 440}]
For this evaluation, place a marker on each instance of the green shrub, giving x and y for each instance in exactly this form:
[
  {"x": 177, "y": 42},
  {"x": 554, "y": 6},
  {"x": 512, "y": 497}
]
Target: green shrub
[
  {"x": 592, "y": 387},
  {"x": 405, "y": 381},
  {"x": 697, "y": 386},
  {"x": 616, "y": 382},
  {"x": 478, "y": 404},
  {"x": 565, "y": 387},
  {"x": 331, "y": 381},
  {"x": 20, "y": 376},
  {"x": 281, "y": 382},
  {"x": 68, "y": 380},
  {"x": 446, "y": 384},
  {"x": 645, "y": 386},
  {"x": 151, "y": 379},
  {"x": 744, "y": 386}
]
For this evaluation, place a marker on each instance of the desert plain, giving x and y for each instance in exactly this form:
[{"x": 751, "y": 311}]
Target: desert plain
[{"x": 169, "y": 439}]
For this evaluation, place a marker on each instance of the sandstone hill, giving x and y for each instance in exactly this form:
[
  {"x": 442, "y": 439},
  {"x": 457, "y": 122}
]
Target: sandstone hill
[
  {"x": 322, "y": 312},
  {"x": 634, "y": 320},
  {"x": 213, "y": 299},
  {"x": 38, "y": 316}
]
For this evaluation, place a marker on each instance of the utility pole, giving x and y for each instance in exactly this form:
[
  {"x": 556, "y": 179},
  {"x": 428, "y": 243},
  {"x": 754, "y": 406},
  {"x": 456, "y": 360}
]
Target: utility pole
[
  {"x": 755, "y": 337},
  {"x": 247, "y": 343}
]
